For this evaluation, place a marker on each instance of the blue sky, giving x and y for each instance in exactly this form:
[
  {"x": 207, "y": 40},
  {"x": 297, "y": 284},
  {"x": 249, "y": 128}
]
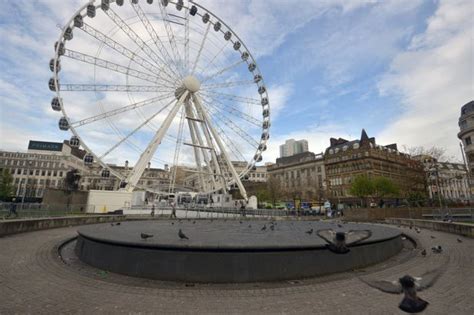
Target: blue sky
[{"x": 400, "y": 69}]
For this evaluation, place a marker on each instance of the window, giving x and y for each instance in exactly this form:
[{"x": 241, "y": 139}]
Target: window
[
  {"x": 468, "y": 140},
  {"x": 43, "y": 172}
]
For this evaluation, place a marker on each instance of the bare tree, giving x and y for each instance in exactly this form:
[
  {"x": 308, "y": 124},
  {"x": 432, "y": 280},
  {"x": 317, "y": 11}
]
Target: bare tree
[{"x": 436, "y": 152}]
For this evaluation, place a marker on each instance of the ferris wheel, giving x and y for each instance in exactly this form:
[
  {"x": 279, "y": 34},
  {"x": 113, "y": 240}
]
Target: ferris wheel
[{"x": 161, "y": 82}]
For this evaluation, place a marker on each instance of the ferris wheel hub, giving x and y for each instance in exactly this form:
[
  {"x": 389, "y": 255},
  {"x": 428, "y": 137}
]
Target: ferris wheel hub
[{"x": 191, "y": 83}]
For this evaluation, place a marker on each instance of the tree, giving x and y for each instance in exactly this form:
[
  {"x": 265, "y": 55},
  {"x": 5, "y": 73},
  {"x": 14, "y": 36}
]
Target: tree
[
  {"x": 71, "y": 182},
  {"x": 6, "y": 185},
  {"x": 362, "y": 187},
  {"x": 436, "y": 152},
  {"x": 383, "y": 187},
  {"x": 274, "y": 189}
]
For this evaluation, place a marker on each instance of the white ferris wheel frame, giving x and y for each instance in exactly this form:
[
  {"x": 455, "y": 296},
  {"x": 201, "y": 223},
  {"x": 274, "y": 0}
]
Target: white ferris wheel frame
[{"x": 189, "y": 98}]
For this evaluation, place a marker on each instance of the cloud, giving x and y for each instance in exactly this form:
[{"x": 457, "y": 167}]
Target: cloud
[{"x": 433, "y": 79}]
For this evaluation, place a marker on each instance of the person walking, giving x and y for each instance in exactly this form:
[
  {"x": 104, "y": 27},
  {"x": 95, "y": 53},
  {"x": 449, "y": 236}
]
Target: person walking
[
  {"x": 13, "y": 209},
  {"x": 173, "y": 210},
  {"x": 153, "y": 210}
]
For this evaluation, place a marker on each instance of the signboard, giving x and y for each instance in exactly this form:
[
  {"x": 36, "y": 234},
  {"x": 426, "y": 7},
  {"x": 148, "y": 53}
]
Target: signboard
[{"x": 45, "y": 146}]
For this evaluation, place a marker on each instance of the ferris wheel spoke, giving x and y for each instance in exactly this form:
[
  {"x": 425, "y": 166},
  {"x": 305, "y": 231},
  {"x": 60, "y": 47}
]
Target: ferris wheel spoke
[
  {"x": 117, "y": 111},
  {"x": 71, "y": 87},
  {"x": 186, "y": 40},
  {"x": 237, "y": 129},
  {"x": 179, "y": 142},
  {"x": 135, "y": 130},
  {"x": 124, "y": 51},
  {"x": 211, "y": 62},
  {"x": 156, "y": 39},
  {"x": 222, "y": 71},
  {"x": 201, "y": 46},
  {"x": 169, "y": 31},
  {"x": 232, "y": 97},
  {"x": 139, "y": 42},
  {"x": 227, "y": 84},
  {"x": 228, "y": 141},
  {"x": 102, "y": 63},
  {"x": 227, "y": 109}
]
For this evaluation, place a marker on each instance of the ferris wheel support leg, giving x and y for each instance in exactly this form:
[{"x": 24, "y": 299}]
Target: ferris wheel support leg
[
  {"x": 204, "y": 154},
  {"x": 146, "y": 156},
  {"x": 218, "y": 140},
  {"x": 215, "y": 161},
  {"x": 197, "y": 156}
]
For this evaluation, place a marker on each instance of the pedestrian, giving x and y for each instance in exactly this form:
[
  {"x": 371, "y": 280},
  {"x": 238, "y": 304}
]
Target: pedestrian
[
  {"x": 173, "y": 210},
  {"x": 153, "y": 210},
  {"x": 12, "y": 209}
]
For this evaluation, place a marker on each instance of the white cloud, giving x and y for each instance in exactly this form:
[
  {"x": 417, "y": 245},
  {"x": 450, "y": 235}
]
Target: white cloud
[{"x": 434, "y": 79}]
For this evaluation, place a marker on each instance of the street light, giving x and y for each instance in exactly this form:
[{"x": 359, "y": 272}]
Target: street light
[{"x": 29, "y": 163}]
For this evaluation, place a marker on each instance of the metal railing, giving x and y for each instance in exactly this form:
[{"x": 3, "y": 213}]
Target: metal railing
[{"x": 449, "y": 214}]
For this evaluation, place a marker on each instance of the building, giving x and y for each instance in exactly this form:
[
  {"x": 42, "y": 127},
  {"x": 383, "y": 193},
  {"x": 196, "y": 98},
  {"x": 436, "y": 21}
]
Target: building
[
  {"x": 96, "y": 178},
  {"x": 43, "y": 166},
  {"x": 292, "y": 147},
  {"x": 344, "y": 160},
  {"x": 299, "y": 176},
  {"x": 257, "y": 175},
  {"x": 445, "y": 181},
  {"x": 466, "y": 133}
]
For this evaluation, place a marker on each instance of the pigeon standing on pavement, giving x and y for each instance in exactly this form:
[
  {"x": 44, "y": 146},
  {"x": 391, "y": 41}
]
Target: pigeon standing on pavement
[
  {"x": 338, "y": 242},
  {"x": 408, "y": 285},
  {"x": 182, "y": 236},
  {"x": 144, "y": 236},
  {"x": 309, "y": 232},
  {"x": 433, "y": 237},
  {"x": 264, "y": 227},
  {"x": 459, "y": 240},
  {"x": 437, "y": 249},
  {"x": 423, "y": 253},
  {"x": 272, "y": 227}
]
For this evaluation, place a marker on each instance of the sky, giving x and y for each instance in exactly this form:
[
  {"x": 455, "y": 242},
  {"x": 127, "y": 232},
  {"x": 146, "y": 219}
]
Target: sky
[{"x": 400, "y": 69}]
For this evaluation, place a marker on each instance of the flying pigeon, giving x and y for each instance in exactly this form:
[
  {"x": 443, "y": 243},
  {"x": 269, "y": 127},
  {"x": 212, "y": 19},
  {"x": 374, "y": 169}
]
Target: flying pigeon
[
  {"x": 144, "y": 236},
  {"x": 309, "y": 232},
  {"x": 337, "y": 242},
  {"x": 408, "y": 285},
  {"x": 182, "y": 235}
]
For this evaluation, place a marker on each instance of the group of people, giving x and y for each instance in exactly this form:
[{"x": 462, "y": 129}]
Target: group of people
[{"x": 173, "y": 209}]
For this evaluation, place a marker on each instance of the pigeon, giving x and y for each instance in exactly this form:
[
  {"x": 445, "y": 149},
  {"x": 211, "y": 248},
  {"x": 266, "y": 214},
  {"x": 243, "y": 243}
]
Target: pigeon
[
  {"x": 182, "y": 235},
  {"x": 459, "y": 240},
  {"x": 437, "y": 249},
  {"x": 338, "y": 242},
  {"x": 272, "y": 227},
  {"x": 309, "y": 232},
  {"x": 417, "y": 230},
  {"x": 194, "y": 222},
  {"x": 264, "y": 227},
  {"x": 250, "y": 226},
  {"x": 423, "y": 253},
  {"x": 144, "y": 236},
  {"x": 113, "y": 224},
  {"x": 408, "y": 285},
  {"x": 339, "y": 225},
  {"x": 433, "y": 237},
  {"x": 172, "y": 223}
]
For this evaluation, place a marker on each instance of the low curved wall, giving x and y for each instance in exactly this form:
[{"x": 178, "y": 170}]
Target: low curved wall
[
  {"x": 20, "y": 226},
  {"x": 464, "y": 229},
  {"x": 229, "y": 266}
]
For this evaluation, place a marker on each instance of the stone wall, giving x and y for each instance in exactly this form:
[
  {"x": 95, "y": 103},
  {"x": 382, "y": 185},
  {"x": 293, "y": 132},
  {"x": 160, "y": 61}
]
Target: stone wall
[
  {"x": 19, "y": 226},
  {"x": 59, "y": 199},
  {"x": 464, "y": 229}
]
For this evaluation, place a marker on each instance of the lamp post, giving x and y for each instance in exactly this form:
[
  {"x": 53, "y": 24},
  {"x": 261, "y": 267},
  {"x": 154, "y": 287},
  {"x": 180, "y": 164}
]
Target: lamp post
[{"x": 28, "y": 164}]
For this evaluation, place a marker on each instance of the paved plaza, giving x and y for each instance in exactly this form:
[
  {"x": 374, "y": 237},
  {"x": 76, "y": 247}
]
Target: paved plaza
[{"x": 34, "y": 279}]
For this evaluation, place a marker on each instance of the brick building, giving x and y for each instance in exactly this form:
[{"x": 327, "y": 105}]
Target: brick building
[{"x": 344, "y": 160}]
